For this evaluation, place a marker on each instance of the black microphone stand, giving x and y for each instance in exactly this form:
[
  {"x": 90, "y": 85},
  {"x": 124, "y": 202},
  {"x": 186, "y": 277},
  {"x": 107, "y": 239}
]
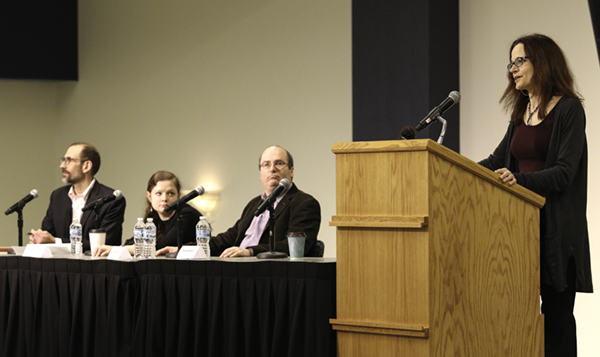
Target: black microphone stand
[
  {"x": 271, "y": 254},
  {"x": 97, "y": 208},
  {"x": 20, "y": 225},
  {"x": 19, "y": 211},
  {"x": 179, "y": 214}
]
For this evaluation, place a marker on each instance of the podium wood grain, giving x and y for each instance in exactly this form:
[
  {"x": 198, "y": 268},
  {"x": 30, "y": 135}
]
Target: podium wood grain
[{"x": 435, "y": 256}]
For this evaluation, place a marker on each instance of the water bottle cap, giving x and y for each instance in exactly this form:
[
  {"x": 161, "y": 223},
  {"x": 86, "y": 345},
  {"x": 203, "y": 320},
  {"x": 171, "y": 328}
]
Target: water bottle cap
[{"x": 150, "y": 219}]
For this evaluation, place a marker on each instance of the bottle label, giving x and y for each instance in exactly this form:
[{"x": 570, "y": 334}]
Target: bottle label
[
  {"x": 202, "y": 233},
  {"x": 138, "y": 233},
  {"x": 75, "y": 232}
]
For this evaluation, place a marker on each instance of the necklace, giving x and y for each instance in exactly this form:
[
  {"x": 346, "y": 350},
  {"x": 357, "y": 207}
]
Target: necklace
[{"x": 531, "y": 113}]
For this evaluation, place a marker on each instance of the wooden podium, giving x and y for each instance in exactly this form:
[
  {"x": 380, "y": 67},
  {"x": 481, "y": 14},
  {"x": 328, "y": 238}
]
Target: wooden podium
[{"x": 435, "y": 256}]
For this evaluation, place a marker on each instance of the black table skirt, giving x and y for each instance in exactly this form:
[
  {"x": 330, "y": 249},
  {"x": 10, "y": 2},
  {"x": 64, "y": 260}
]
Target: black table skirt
[{"x": 69, "y": 307}]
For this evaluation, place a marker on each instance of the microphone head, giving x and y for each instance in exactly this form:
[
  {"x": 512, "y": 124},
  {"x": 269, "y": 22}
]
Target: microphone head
[
  {"x": 34, "y": 193},
  {"x": 455, "y": 96},
  {"x": 118, "y": 194},
  {"x": 200, "y": 190},
  {"x": 407, "y": 133},
  {"x": 285, "y": 183}
]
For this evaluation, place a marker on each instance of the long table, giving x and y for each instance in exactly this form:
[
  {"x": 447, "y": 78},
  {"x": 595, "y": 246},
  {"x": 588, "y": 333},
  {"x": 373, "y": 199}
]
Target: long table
[{"x": 219, "y": 307}]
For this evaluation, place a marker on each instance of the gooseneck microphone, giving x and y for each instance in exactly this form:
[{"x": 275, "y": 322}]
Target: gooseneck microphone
[
  {"x": 19, "y": 205},
  {"x": 284, "y": 184},
  {"x": 453, "y": 98},
  {"x": 99, "y": 202},
  {"x": 198, "y": 191}
]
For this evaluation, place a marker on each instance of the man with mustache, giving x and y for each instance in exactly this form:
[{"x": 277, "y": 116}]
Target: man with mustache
[
  {"x": 79, "y": 166},
  {"x": 295, "y": 211}
]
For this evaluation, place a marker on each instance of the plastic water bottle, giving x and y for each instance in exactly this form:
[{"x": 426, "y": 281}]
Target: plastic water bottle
[
  {"x": 203, "y": 235},
  {"x": 75, "y": 237},
  {"x": 138, "y": 238},
  {"x": 149, "y": 240}
]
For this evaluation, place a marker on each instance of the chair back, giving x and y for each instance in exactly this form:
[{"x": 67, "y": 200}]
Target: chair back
[{"x": 317, "y": 250}]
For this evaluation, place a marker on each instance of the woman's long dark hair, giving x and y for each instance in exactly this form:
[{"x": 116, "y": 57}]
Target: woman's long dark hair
[
  {"x": 551, "y": 75},
  {"x": 149, "y": 212}
]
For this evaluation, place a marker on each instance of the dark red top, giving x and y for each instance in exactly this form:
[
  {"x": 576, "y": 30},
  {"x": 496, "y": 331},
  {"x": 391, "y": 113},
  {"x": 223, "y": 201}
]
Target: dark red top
[{"x": 530, "y": 144}]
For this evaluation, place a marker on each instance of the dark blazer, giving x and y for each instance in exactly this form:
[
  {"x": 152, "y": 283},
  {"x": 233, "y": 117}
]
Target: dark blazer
[
  {"x": 296, "y": 212},
  {"x": 60, "y": 215},
  {"x": 563, "y": 182}
]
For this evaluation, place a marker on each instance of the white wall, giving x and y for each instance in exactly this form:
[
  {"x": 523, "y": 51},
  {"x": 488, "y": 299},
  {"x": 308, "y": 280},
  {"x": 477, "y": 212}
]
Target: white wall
[
  {"x": 28, "y": 120},
  {"x": 201, "y": 87},
  {"x": 487, "y": 29}
]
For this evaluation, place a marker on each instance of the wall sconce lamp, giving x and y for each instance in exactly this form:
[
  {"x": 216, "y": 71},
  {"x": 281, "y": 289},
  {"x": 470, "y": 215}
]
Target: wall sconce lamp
[{"x": 205, "y": 203}]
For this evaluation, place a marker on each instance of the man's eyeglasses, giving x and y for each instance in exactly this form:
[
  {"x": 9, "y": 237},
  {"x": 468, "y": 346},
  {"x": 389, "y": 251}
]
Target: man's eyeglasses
[
  {"x": 518, "y": 62},
  {"x": 279, "y": 165},
  {"x": 67, "y": 160}
]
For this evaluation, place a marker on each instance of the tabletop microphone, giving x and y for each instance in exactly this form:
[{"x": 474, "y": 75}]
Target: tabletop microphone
[
  {"x": 453, "y": 98},
  {"x": 19, "y": 205},
  {"x": 198, "y": 191},
  {"x": 98, "y": 203},
  {"x": 284, "y": 184}
]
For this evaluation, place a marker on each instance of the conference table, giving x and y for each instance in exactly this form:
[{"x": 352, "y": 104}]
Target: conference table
[{"x": 66, "y": 306}]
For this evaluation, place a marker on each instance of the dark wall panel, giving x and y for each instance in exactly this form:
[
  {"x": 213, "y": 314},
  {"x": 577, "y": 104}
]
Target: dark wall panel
[
  {"x": 595, "y": 13},
  {"x": 38, "y": 39},
  {"x": 404, "y": 62}
]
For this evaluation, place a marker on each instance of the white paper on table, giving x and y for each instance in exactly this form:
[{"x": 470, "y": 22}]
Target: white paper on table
[
  {"x": 119, "y": 253},
  {"x": 37, "y": 251},
  {"x": 191, "y": 252}
]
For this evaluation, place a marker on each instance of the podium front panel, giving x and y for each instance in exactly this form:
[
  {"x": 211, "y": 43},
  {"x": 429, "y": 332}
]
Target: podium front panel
[{"x": 434, "y": 256}]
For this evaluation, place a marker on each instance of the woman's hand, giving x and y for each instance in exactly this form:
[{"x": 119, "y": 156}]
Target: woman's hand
[
  {"x": 165, "y": 250},
  {"x": 506, "y": 176},
  {"x": 102, "y": 250}
]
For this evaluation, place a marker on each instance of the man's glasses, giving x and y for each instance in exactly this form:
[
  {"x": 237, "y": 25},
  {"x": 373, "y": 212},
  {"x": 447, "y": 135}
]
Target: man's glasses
[
  {"x": 279, "y": 165},
  {"x": 67, "y": 160}
]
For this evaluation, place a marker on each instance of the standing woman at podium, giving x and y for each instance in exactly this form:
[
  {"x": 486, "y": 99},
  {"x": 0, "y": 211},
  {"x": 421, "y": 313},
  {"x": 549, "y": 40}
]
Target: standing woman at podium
[{"x": 545, "y": 150}]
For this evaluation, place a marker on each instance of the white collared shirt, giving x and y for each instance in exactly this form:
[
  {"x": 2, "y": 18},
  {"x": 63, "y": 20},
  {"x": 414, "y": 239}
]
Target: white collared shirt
[{"x": 79, "y": 200}]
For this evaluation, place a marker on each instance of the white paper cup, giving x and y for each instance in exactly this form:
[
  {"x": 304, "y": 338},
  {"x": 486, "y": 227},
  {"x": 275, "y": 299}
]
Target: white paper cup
[
  {"x": 97, "y": 238},
  {"x": 296, "y": 244}
]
